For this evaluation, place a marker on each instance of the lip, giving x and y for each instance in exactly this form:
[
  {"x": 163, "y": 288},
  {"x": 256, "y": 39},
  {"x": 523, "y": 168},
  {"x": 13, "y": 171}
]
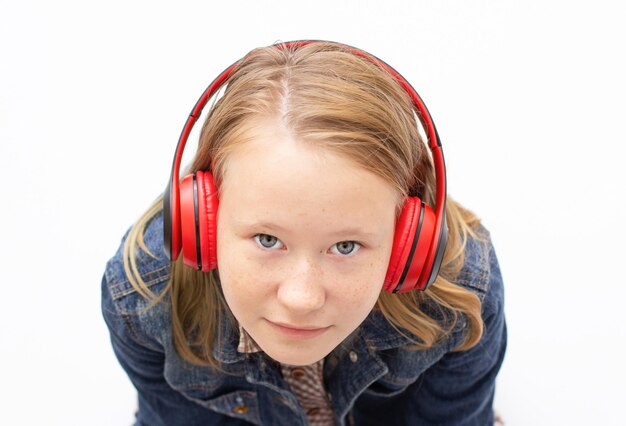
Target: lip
[{"x": 297, "y": 332}]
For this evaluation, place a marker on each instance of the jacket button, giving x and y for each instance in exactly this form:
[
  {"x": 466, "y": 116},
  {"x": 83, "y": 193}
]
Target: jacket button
[
  {"x": 353, "y": 356},
  {"x": 313, "y": 411},
  {"x": 298, "y": 373},
  {"x": 241, "y": 409}
]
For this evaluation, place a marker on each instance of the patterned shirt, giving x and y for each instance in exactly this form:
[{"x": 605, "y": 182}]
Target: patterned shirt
[{"x": 306, "y": 382}]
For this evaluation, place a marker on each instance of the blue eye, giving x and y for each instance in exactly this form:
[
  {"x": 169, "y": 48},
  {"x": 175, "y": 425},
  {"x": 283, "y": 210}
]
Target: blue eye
[
  {"x": 346, "y": 247},
  {"x": 268, "y": 241}
]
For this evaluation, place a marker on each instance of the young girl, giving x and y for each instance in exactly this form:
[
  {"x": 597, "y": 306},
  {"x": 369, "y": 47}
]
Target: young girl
[{"x": 309, "y": 270}]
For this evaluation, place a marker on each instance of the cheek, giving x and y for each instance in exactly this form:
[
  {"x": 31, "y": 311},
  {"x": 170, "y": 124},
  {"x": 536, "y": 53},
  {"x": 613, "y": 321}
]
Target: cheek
[
  {"x": 248, "y": 284},
  {"x": 236, "y": 274},
  {"x": 361, "y": 290}
]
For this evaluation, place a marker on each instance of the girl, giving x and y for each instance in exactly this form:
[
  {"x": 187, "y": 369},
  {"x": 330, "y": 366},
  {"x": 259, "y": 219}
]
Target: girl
[{"x": 323, "y": 278}]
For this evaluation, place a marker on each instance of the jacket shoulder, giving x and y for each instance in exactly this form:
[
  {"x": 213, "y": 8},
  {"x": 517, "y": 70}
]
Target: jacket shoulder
[
  {"x": 480, "y": 271},
  {"x": 151, "y": 262}
]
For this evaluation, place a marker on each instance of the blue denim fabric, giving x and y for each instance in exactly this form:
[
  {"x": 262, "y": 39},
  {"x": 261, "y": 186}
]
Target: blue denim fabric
[{"x": 372, "y": 380}]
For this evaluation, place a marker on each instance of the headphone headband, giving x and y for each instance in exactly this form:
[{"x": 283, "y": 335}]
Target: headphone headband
[{"x": 171, "y": 199}]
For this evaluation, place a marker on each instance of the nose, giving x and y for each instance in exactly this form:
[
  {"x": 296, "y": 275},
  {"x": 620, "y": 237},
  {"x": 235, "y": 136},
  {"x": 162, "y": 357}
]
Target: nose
[{"x": 302, "y": 290}]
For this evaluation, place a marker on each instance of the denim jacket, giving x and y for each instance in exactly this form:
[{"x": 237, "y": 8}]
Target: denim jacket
[{"x": 372, "y": 380}]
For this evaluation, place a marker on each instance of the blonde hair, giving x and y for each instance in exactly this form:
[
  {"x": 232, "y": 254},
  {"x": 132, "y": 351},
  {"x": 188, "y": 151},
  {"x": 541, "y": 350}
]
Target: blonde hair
[{"x": 327, "y": 96}]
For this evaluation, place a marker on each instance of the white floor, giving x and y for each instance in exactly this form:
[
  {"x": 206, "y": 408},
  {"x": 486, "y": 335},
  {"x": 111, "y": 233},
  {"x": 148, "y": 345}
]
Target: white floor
[{"x": 528, "y": 98}]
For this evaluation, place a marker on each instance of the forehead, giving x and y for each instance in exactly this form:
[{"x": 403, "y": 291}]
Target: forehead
[{"x": 273, "y": 170}]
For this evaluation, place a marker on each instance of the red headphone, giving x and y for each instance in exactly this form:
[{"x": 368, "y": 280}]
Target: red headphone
[{"x": 190, "y": 207}]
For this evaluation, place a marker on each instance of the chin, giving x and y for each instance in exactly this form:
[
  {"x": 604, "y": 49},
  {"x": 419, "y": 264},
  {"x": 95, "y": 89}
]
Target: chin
[{"x": 298, "y": 357}]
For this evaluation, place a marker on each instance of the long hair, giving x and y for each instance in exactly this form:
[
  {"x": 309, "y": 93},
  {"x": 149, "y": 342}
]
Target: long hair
[{"x": 324, "y": 95}]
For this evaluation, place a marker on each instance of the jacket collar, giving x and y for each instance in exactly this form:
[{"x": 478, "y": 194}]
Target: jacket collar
[{"x": 227, "y": 341}]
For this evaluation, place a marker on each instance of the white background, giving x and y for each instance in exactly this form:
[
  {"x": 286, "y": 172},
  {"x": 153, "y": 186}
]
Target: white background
[{"x": 528, "y": 97}]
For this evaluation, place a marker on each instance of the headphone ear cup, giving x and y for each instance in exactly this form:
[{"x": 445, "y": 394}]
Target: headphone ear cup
[
  {"x": 188, "y": 219},
  {"x": 411, "y": 243},
  {"x": 208, "y": 204},
  {"x": 171, "y": 221},
  {"x": 198, "y": 212}
]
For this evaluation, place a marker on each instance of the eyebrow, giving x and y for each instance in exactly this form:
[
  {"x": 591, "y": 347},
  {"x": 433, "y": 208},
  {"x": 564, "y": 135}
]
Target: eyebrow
[
  {"x": 275, "y": 227},
  {"x": 267, "y": 225}
]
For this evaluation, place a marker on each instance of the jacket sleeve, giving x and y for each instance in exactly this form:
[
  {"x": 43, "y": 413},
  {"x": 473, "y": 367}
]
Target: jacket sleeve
[
  {"x": 159, "y": 404},
  {"x": 459, "y": 388}
]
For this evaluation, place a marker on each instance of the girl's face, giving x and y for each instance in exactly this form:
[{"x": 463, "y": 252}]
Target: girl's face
[{"x": 304, "y": 238}]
